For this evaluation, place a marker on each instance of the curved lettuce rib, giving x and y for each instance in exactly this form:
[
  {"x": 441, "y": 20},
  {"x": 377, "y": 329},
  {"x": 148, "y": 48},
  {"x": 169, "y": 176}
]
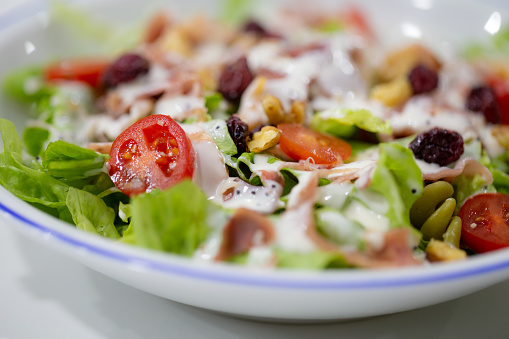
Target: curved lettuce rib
[
  {"x": 398, "y": 179},
  {"x": 344, "y": 122},
  {"x": 174, "y": 220},
  {"x": 38, "y": 187}
]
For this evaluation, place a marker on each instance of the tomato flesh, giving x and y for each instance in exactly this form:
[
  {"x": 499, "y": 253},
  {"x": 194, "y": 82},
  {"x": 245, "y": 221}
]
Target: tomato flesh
[
  {"x": 84, "y": 70},
  {"x": 485, "y": 222},
  {"x": 300, "y": 143},
  {"x": 153, "y": 153},
  {"x": 501, "y": 88}
]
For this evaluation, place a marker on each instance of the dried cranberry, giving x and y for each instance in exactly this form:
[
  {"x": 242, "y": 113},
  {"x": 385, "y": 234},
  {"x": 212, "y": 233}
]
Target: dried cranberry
[
  {"x": 483, "y": 99},
  {"x": 438, "y": 146},
  {"x": 238, "y": 131},
  {"x": 234, "y": 80},
  {"x": 126, "y": 68},
  {"x": 255, "y": 28},
  {"x": 423, "y": 79}
]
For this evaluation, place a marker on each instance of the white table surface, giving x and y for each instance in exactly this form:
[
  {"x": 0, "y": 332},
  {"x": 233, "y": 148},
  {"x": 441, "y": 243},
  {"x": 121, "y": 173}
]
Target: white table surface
[{"x": 46, "y": 295}]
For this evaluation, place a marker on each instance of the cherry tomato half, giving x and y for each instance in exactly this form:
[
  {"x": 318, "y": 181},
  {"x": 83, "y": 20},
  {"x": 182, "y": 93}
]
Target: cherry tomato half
[
  {"x": 300, "y": 143},
  {"x": 501, "y": 88},
  {"x": 485, "y": 222},
  {"x": 85, "y": 70},
  {"x": 153, "y": 153}
]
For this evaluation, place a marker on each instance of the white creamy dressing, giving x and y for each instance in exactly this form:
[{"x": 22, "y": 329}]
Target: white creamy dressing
[
  {"x": 339, "y": 76},
  {"x": 456, "y": 79},
  {"x": 370, "y": 219},
  {"x": 335, "y": 73},
  {"x": 179, "y": 107},
  {"x": 155, "y": 81},
  {"x": 295, "y": 195},
  {"x": 261, "y": 163},
  {"x": 340, "y": 229},
  {"x": 420, "y": 114},
  {"x": 333, "y": 195},
  {"x": 210, "y": 169},
  {"x": 357, "y": 167},
  {"x": 291, "y": 230},
  {"x": 236, "y": 193},
  {"x": 101, "y": 126}
]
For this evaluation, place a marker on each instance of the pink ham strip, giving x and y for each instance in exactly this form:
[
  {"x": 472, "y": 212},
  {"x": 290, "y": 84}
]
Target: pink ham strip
[{"x": 466, "y": 166}]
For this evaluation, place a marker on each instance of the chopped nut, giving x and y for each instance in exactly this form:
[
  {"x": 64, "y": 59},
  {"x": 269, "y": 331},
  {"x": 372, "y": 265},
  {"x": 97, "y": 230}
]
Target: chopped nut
[
  {"x": 100, "y": 147},
  {"x": 402, "y": 61},
  {"x": 441, "y": 251},
  {"x": 266, "y": 138},
  {"x": 393, "y": 93},
  {"x": 273, "y": 109},
  {"x": 208, "y": 81},
  {"x": 176, "y": 41},
  {"x": 501, "y": 133},
  {"x": 259, "y": 85},
  {"x": 297, "y": 112},
  {"x": 276, "y": 114}
]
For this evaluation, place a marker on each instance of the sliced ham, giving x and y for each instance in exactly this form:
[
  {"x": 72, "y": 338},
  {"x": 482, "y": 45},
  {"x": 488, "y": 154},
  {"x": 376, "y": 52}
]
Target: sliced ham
[{"x": 246, "y": 229}]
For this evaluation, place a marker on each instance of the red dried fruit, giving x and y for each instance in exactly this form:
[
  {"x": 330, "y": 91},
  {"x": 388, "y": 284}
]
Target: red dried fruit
[
  {"x": 484, "y": 100},
  {"x": 255, "y": 28},
  {"x": 423, "y": 79},
  {"x": 438, "y": 146},
  {"x": 125, "y": 69},
  {"x": 238, "y": 131},
  {"x": 234, "y": 80}
]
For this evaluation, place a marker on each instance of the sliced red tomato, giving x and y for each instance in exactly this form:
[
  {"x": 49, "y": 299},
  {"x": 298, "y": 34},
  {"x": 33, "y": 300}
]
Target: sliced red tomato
[
  {"x": 356, "y": 18},
  {"x": 485, "y": 222},
  {"x": 85, "y": 70},
  {"x": 501, "y": 88},
  {"x": 300, "y": 143},
  {"x": 153, "y": 153}
]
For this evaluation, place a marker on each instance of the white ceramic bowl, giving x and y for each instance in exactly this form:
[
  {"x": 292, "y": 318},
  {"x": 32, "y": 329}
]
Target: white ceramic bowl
[{"x": 275, "y": 295}]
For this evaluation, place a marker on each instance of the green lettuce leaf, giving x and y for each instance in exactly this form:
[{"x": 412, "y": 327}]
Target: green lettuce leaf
[
  {"x": 174, "y": 220},
  {"x": 26, "y": 85},
  {"x": 219, "y": 133},
  {"x": 344, "y": 122},
  {"x": 34, "y": 139},
  {"x": 339, "y": 229},
  {"x": 91, "y": 214},
  {"x": 397, "y": 179},
  {"x": 28, "y": 184},
  {"x": 236, "y": 11},
  {"x": 64, "y": 160}
]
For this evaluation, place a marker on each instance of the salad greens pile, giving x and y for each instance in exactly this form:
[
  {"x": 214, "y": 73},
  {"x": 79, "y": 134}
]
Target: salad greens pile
[{"x": 354, "y": 212}]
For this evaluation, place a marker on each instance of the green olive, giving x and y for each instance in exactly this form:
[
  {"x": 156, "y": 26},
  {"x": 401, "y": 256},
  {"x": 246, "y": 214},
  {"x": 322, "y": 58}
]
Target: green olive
[
  {"x": 453, "y": 233},
  {"x": 432, "y": 195},
  {"x": 437, "y": 223}
]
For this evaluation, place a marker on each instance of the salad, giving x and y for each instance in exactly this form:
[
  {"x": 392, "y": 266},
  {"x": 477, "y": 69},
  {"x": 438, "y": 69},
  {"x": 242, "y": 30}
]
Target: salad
[{"x": 294, "y": 141}]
